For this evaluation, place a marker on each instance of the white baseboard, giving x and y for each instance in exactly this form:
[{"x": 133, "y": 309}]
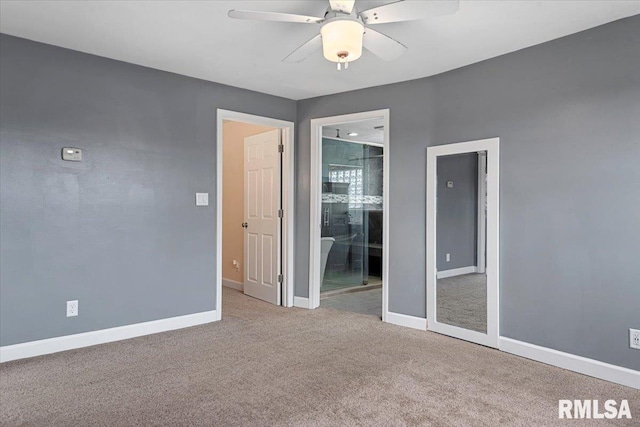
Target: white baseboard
[
  {"x": 571, "y": 362},
  {"x": 301, "y": 302},
  {"x": 69, "y": 342},
  {"x": 233, "y": 284},
  {"x": 456, "y": 272},
  {"x": 406, "y": 320}
]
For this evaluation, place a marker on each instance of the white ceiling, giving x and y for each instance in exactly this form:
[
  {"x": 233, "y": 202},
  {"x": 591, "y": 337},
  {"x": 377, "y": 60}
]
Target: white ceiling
[
  {"x": 366, "y": 130},
  {"x": 197, "y": 39}
]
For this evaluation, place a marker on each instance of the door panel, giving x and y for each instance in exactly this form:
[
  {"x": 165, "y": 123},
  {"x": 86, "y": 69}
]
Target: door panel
[
  {"x": 268, "y": 183},
  {"x": 252, "y": 258},
  {"x": 252, "y": 195},
  {"x": 267, "y": 258},
  {"x": 262, "y": 201}
]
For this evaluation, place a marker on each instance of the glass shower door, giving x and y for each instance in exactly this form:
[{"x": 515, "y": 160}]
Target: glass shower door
[{"x": 351, "y": 214}]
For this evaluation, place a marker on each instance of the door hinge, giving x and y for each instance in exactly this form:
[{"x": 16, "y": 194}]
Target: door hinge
[
  {"x": 280, "y": 278},
  {"x": 280, "y": 148},
  {"x": 280, "y": 213}
]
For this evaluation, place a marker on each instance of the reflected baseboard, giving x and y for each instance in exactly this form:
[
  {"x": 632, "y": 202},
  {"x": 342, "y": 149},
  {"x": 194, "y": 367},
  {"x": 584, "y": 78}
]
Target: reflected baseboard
[
  {"x": 456, "y": 272},
  {"x": 359, "y": 288}
]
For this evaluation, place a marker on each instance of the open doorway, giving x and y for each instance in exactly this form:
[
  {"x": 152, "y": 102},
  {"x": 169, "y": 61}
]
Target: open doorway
[
  {"x": 349, "y": 205},
  {"x": 255, "y": 207}
]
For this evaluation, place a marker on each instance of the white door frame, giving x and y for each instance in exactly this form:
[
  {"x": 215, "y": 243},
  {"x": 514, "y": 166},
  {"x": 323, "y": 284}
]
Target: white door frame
[
  {"x": 288, "y": 201},
  {"x": 492, "y": 147},
  {"x": 316, "y": 202},
  {"x": 481, "y": 260}
]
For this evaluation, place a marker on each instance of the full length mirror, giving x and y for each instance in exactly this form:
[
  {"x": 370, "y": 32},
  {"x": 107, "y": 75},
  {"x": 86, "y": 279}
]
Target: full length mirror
[{"x": 461, "y": 280}]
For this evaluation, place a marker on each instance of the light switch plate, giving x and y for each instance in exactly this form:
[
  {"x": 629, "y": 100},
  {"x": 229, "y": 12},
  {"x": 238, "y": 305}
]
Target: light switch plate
[
  {"x": 72, "y": 154},
  {"x": 202, "y": 199},
  {"x": 449, "y": 184}
]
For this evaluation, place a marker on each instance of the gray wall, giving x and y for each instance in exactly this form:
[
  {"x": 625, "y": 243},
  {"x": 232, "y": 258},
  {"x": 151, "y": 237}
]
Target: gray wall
[
  {"x": 120, "y": 231},
  {"x": 457, "y": 221},
  {"x": 568, "y": 115}
]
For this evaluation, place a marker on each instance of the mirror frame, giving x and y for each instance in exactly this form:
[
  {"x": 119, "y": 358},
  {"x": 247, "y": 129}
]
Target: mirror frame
[{"x": 492, "y": 148}]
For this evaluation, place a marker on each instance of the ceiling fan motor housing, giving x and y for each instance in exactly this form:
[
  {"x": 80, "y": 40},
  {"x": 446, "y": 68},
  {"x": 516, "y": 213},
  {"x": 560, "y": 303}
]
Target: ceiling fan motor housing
[{"x": 342, "y": 38}]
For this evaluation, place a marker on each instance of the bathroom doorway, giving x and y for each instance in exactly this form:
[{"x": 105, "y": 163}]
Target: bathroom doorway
[{"x": 348, "y": 246}]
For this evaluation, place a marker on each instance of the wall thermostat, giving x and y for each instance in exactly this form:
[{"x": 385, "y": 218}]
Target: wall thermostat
[
  {"x": 72, "y": 154},
  {"x": 202, "y": 199}
]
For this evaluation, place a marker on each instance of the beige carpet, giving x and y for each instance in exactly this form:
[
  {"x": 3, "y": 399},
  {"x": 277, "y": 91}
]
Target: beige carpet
[
  {"x": 265, "y": 365},
  {"x": 364, "y": 302},
  {"x": 462, "y": 301}
]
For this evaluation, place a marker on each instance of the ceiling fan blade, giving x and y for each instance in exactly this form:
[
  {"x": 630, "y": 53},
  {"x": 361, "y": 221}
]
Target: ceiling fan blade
[
  {"x": 274, "y": 16},
  {"x": 345, "y": 6},
  {"x": 409, "y": 10},
  {"x": 382, "y": 45},
  {"x": 304, "y": 51}
]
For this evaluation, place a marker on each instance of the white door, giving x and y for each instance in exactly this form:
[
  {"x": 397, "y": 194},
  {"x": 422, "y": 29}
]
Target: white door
[{"x": 262, "y": 223}]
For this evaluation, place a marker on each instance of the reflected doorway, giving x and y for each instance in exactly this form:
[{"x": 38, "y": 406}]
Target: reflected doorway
[{"x": 461, "y": 279}]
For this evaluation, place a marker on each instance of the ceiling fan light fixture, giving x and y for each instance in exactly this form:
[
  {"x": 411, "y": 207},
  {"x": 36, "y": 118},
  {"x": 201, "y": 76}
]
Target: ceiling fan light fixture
[
  {"x": 342, "y": 39},
  {"x": 342, "y": 34}
]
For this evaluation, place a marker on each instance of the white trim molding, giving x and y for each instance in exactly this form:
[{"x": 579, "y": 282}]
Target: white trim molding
[
  {"x": 492, "y": 148},
  {"x": 316, "y": 201},
  {"x": 102, "y": 336},
  {"x": 456, "y": 272},
  {"x": 288, "y": 199},
  {"x": 233, "y": 284},
  {"x": 481, "y": 258},
  {"x": 571, "y": 362},
  {"x": 301, "y": 302},
  {"x": 407, "y": 321}
]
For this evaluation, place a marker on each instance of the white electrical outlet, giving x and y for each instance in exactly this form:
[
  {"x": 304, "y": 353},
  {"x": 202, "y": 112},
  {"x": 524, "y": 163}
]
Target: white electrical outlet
[
  {"x": 72, "y": 308},
  {"x": 634, "y": 338},
  {"x": 448, "y": 257}
]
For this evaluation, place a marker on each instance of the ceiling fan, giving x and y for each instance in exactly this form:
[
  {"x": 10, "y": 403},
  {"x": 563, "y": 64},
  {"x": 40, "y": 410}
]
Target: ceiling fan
[{"x": 345, "y": 30}]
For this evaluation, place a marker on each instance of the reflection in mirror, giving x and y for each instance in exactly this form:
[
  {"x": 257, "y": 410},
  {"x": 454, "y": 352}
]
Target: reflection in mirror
[
  {"x": 351, "y": 245},
  {"x": 461, "y": 286}
]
